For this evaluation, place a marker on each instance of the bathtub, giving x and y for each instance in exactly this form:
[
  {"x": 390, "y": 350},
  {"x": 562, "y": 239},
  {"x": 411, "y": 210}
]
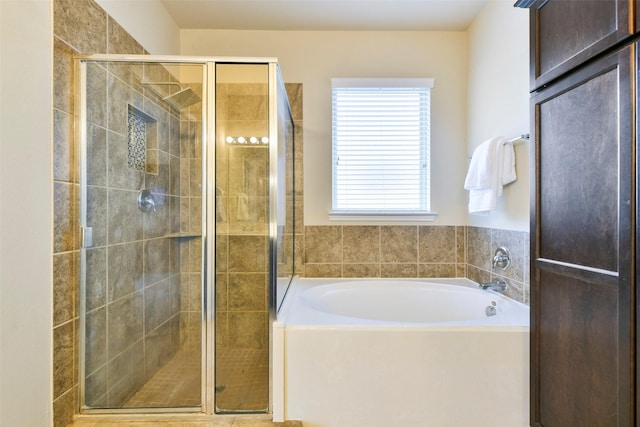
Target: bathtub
[{"x": 393, "y": 352}]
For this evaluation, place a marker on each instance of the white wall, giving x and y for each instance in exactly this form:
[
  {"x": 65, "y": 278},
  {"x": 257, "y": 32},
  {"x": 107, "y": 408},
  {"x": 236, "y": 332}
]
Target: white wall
[
  {"x": 498, "y": 101},
  {"x": 314, "y": 57},
  {"x": 148, "y": 22},
  {"x": 26, "y": 228}
]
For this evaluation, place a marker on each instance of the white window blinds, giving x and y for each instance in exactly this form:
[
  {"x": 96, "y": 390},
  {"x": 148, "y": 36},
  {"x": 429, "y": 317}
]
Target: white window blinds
[{"x": 381, "y": 131}]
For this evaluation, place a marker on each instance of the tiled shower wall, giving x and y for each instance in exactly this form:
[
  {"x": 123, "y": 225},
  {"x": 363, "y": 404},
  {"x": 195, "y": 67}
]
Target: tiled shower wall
[
  {"x": 133, "y": 275},
  {"x": 242, "y": 220},
  {"x": 79, "y": 27},
  {"x": 158, "y": 249}
]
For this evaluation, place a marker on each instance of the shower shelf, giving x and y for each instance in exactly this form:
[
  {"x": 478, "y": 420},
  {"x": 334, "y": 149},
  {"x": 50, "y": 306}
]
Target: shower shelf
[{"x": 183, "y": 235}]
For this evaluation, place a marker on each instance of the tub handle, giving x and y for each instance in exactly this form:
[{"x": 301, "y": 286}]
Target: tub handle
[{"x": 502, "y": 258}]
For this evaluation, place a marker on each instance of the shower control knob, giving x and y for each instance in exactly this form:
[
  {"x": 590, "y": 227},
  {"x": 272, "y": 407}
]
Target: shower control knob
[{"x": 146, "y": 202}]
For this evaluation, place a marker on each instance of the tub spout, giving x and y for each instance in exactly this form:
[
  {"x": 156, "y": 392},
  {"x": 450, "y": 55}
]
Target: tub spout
[{"x": 496, "y": 285}]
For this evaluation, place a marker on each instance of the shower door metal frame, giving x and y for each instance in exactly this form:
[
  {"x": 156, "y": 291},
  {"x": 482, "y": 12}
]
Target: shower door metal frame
[
  {"x": 208, "y": 218},
  {"x": 207, "y": 135}
]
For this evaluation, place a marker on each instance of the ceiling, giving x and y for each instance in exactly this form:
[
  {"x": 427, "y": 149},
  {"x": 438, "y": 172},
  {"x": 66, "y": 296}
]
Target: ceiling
[{"x": 317, "y": 15}]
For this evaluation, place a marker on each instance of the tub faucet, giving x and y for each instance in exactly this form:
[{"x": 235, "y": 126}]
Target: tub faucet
[{"x": 496, "y": 285}]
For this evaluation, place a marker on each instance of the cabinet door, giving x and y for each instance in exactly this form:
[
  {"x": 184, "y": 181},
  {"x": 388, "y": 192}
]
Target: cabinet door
[
  {"x": 566, "y": 33},
  {"x": 582, "y": 247}
]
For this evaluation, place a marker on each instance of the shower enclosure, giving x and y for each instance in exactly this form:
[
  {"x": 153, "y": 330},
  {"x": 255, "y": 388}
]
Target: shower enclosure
[{"x": 186, "y": 219}]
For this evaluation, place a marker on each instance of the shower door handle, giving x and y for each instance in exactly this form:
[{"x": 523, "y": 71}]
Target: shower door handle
[{"x": 86, "y": 237}]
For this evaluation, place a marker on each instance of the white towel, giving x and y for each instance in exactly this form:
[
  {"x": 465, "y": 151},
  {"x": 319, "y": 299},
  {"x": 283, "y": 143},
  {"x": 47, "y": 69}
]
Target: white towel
[
  {"x": 242, "y": 213},
  {"x": 221, "y": 213},
  {"x": 492, "y": 167}
]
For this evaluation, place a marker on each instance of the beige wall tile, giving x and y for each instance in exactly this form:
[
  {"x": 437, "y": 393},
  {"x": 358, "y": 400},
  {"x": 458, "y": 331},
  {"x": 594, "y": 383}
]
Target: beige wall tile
[
  {"x": 195, "y": 294},
  {"x": 125, "y": 269},
  {"x": 63, "y": 151},
  {"x": 478, "y": 275},
  {"x": 323, "y": 270},
  {"x": 323, "y": 244},
  {"x": 97, "y": 160},
  {"x": 479, "y": 252},
  {"x": 65, "y": 218},
  {"x": 64, "y": 407},
  {"x": 437, "y": 270},
  {"x": 82, "y": 24},
  {"x": 96, "y": 278},
  {"x": 63, "y": 70},
  {"x": 64, "y": 284},
  {"x": 161, "y": 303},
  {"x": 248, "y": 329},
  {"x": 247, "y": 292},
  {"x": 361, "y": 244},
  {"x": 399, "y": 270},
  {"x": 399, "y": 244},
  {"x": 96, "y": 345},
  {"x": 294, "y": 93},
  {"x": 63, "y": 357},
  {"x": 437, "y": 244},
  {"x": 461, "y": 244},
  {"x": 120, "y": 41},
  {"x": 125, "y": 323},
  {"x": 514, "y": 241},
  {"x": 97, "y": 102},
  {"x": 248, "y": 254},
  {"x": 361, "y": 270}
]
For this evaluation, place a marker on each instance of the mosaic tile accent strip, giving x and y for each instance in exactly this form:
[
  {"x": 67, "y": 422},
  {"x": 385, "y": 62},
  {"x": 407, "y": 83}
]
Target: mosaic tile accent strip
[{"x": 137, "y": 138}]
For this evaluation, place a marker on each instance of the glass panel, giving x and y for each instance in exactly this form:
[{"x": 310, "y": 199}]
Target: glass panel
[
  {"x": 242, "y": 238},
  {"x": 141, "y": 187},
  {"x": 286, "y": 196}
]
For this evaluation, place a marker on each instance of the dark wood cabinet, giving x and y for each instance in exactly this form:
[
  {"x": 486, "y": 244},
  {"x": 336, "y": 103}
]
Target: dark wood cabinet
[
  {"x": 566, "y": 33},
  {"x": 584, "y": 113},
  {"x": 581, "y": 294}
]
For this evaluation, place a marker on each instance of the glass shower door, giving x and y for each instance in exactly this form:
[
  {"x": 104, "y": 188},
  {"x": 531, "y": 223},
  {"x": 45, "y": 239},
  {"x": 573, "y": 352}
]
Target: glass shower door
[{"x": 141, "y": 168}]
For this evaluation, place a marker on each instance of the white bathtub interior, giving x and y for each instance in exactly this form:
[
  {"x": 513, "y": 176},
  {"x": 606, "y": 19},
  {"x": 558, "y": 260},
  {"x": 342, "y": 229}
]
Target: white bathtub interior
[{"x": 340, "y": 370}]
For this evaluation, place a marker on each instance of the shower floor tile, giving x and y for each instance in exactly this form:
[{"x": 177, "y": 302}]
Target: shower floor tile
[
  {"x": 242, "y": 382},
  {"x": 242, "y": 379},
  {"x": 177, "y": 384}
]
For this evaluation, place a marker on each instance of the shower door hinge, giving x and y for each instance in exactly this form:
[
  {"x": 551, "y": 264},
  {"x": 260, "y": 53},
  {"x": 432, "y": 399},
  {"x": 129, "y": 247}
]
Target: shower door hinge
[{"x": 86, "y": 237}]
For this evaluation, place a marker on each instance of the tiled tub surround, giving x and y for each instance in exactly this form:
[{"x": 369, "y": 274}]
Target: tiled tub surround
[
  {"x": 416, "y": 251},
  {"x": 481, "y": 246},
  {"x": 400, "y": 251}
]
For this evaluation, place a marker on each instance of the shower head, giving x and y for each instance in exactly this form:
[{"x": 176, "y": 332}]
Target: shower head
[{"x": 183, "y": 98}]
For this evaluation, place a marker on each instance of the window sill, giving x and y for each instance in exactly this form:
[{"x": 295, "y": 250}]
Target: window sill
[{"x": 381, "y": 216}]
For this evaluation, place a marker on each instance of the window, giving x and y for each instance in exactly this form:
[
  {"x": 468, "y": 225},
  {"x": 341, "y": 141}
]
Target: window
[{"x": 380, "y": 138}]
